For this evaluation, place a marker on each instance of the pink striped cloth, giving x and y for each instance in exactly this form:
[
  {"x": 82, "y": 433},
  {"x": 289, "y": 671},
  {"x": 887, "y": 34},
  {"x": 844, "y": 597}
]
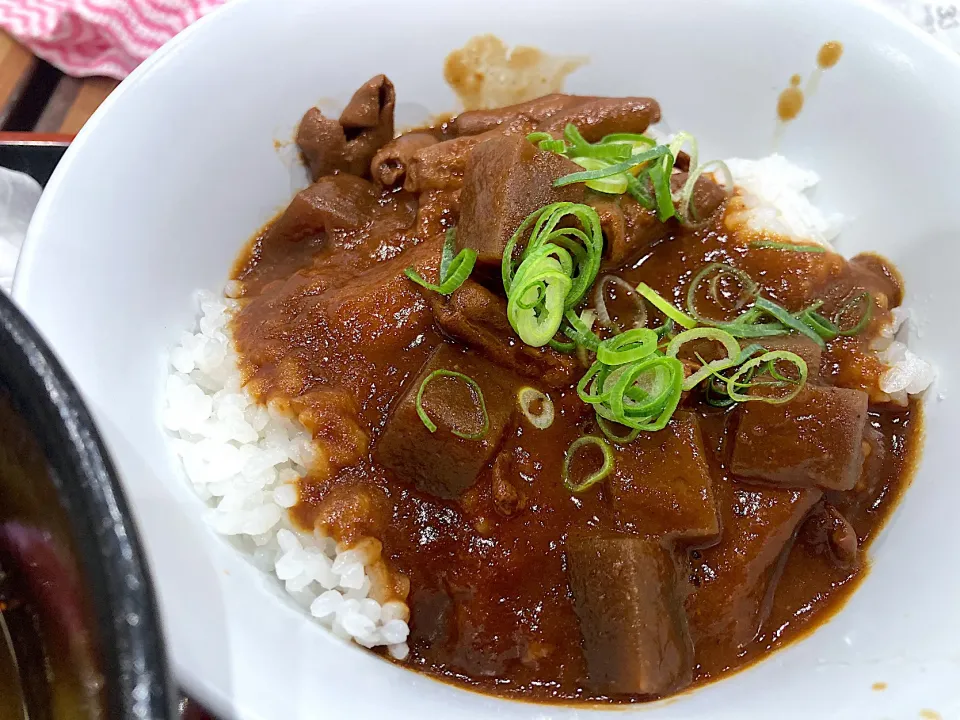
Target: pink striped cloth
[{"x": 98, "y": 37}]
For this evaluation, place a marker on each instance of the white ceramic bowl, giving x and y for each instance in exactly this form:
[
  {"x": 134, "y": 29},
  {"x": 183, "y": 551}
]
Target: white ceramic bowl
[{"x": 178, "y": 168}]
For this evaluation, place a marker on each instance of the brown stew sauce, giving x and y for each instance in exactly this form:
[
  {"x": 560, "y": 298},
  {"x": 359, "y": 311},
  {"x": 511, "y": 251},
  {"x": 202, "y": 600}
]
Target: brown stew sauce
[{"x": 489, "y": 595}]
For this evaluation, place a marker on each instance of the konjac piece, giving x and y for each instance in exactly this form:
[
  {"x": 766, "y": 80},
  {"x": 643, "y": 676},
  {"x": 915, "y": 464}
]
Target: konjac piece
[
  {"x": 478, "y": 317},
  {"x": 798, "y": 344},
  {"x": 662, "y": 486},
  {"x": 737, "y": 575},
  {"x": 815, "y": 440},
  {"x": 506, "y": 179},
  {"x": 631, "y": 615},
  {"x": 442, "y": 463}
]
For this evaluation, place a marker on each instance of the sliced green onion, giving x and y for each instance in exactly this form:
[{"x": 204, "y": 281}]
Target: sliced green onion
[
  {"x": 676, "y": 145},
  {"x": 472, "y": 384},
  {"x": 580, "y": 329},
  {"x": 447, "y": 254},
  {"x": 536, "y": 137},
  {"x": 712, "y": 274},
  {"x": 628, "y": 347},
  {"x": 576, "y": 140},
  {"x": 600, "y": 302},
  {"x": 562, "y": 346},
  {"x": 622, "y": 439},
  {"x": 535, "y": 305},
  {"x": 646, "y": 394},
  {"x": 665, "y": 329},
  {"x": 616, "y": 169},
  {"x": 527, "y": 397},
  {"x": 789, "y": 246},
  {"x": 637, "y": 189},
  {"x": 661, "y": 192},
  {"x": 557, "y": 267},
  {"x": 866, "y": 299},
  {"x": 819, "y": 324},
  {"x": 788, "y": 320},
  {"x": 688, "y": 212},
  {"x": 632, "y": 138},
  {"x": 769, "y": 360},
  {"x": 605, "y": 469},
  {"x": 665, "y": 307},
  {"x": 454, "y": 270},
  {"x": 613, "y": 185},
  {"x": 724, "y": 338}
]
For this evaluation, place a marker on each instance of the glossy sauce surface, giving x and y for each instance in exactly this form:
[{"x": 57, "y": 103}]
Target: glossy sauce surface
[{"x": 489, "y": 596}]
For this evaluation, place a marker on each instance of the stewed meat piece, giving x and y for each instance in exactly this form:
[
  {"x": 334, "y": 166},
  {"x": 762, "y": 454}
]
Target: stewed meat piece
[
  {"x": 389, "y": 165},
  {"x": 474, "y": 122},
  {"x": 478, "y": 317},
  {"x": 348, "y": 145},
  {"x": 603, "y": 116}
]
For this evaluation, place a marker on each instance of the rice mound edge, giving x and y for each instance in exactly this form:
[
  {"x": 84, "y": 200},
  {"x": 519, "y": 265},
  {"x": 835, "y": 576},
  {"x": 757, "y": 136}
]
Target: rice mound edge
[{"x": 244, "y": 459}]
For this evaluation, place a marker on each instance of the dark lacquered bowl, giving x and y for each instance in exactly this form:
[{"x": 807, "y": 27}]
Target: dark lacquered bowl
[{"x": 80, "y": 635}]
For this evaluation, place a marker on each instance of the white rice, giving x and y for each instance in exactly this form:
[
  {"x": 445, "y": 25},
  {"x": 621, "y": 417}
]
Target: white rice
[
  {"x": 773, "y": 192},
  {"x": 244, "y": 460}
]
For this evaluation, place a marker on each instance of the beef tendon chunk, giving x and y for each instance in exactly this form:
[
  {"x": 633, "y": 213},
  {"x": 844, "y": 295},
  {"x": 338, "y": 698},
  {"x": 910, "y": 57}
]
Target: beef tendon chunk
[
  {"x": 828, "y": 533},
  {"x": 506, "y": 179},
  {"x": 707, "y": 197},
  {"x": 813, "y": 440},
  {"x": 340, "y": 202},
  {"x": 737, "y": 576},
  {"x": 442, "y": 166},
  {"x": 603, "y": 116},
  {"x": 443, "y": 463},
  {"x": 662, "y": 485},
  {"x": 628, "y": 228},
  {"x": 632, "y": 622},
  {"x": 474, "y": 122},
  {"x": 477, "y": 317},
  {"x": 389, "y": 165},
  {"x": 348, "y": 145}
]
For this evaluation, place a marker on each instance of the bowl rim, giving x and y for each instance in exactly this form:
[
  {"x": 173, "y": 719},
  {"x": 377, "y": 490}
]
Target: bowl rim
[{"x": 131, "y": 643}]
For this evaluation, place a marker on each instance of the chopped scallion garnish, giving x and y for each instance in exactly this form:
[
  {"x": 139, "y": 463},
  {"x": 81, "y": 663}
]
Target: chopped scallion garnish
[
  {"x": 767, "y": 362},
  {"x": 655, "y": 299},
  {"x": 789, "y": 246},
  {"x": 475, "y": 391},
  {"x": 632, "y": 162},
  {"x": 536, "y": 407},
  {"x": 556, "y": 268},
  {"x": 729, "y": 343},
  {"x": 605, "y": 469},
  {"x": 454, "y": 270}
]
